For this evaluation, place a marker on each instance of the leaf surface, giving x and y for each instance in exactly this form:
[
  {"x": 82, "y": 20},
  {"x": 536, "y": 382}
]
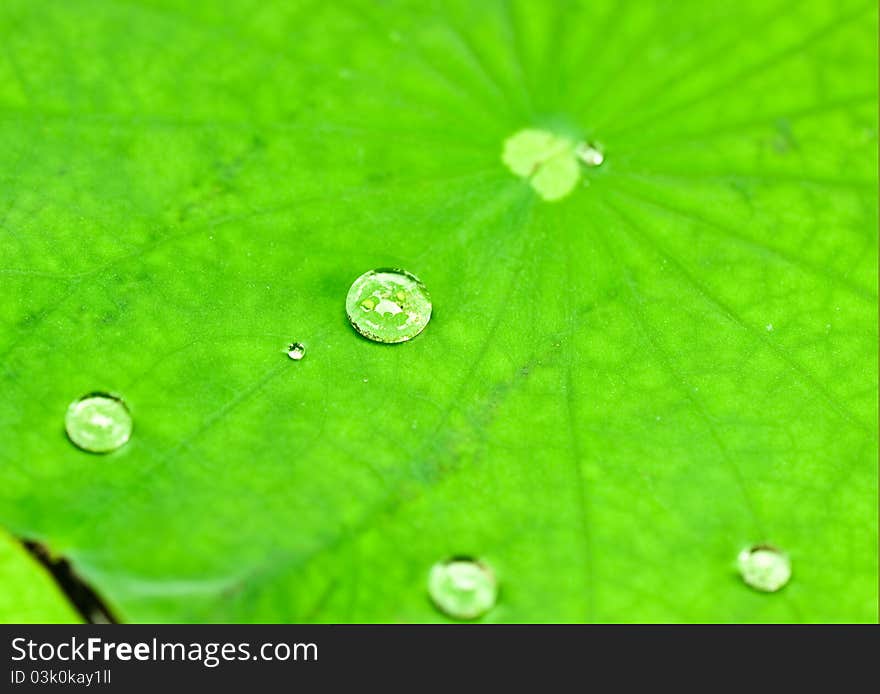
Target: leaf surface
[
  {"x": 29, "y": 595},
  {"x": 618, "y": 390}
]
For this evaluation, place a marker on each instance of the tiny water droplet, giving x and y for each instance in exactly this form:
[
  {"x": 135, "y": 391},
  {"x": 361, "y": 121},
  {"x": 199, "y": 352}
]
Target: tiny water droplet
[
  {"x": 764, "y": 568},
  {"x": 462, "y": 588},
  {"x": 769, "y": 327},
  {"x": 296, "y": 351},
  {"x": 589, "y": 154},
  {"x": 388, "y": 305},
  {"x": 98, "y": 422}
]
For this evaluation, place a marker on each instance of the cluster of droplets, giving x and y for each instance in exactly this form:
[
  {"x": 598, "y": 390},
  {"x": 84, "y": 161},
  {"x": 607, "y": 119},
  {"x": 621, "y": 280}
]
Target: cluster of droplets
[
  {"x": 384, "y": 305},
  {"x": 464, "y": 589},
  {"x": 392, "y": 306}
]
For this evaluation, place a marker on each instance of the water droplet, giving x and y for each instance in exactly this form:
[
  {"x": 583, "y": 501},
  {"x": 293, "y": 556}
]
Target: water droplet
[
  {"x": 98, "y": 422},
  {"x": 769, "y": 327},
  {"x": 388, "y": 305},
  {"x": 589, "y": 154},
  {"x": 764, "y": 568},
  {"x": 296, "y": 351},
  {"x": 463, "y": 588}
]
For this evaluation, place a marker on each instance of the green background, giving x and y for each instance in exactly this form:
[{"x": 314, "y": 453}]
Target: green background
[{"x": 616, "y": 392}]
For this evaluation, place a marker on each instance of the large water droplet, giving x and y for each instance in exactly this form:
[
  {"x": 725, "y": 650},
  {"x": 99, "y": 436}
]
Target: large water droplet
[
  {"x": 98, "y": 422},
  {"x": 462, "y": 588},
  {"x": 764, "y": 567},
  {"x": 388, "y": 305},
  {"x": 296, "y": 350}
]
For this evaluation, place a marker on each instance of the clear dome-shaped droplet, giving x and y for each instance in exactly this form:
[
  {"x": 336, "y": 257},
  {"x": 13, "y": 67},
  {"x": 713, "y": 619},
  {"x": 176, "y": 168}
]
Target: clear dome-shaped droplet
[
  {"x": 98, "y": 422},
  {"x": 296, "y": 350},
  {"x": 764, "y": 568},
  {"x": 388, "y": 305},
  {"x": 589, "y": 154},
  {"x": 462, "y": 588}
]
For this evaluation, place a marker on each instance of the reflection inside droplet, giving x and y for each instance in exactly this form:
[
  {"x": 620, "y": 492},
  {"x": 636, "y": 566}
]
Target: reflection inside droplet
[
  {"x": 764, "y": 567},
  {"x": 296, "y": 351},
  {"x": 462, "y": 588},
  {"x": 98, "y": 422},
  {"x": 388, "y": 305}
]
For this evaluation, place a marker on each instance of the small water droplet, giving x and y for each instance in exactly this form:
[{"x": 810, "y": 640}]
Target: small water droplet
[
  {"x": 764, "y": 568},
  {"x": 98, "y": 422},
  {"x": 296, "y": 351},
  {"x": 769, "y": 327},
  {"x": 463, "y": 588},
  {"x": 388, "y": 305},
  {"x": 589, "y": 154}
]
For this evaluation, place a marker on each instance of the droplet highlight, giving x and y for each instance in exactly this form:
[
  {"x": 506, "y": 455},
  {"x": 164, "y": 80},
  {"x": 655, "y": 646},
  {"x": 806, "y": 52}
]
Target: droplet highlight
[
  {"x": 764, "y": 568},
  {"x": 462, "y": 588},
  {"x": 296, "y": 350},
  {"x": 98, "y": 422},
  {"x": 590, "y": 154},
  {"x": 388, "y": 305}
]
